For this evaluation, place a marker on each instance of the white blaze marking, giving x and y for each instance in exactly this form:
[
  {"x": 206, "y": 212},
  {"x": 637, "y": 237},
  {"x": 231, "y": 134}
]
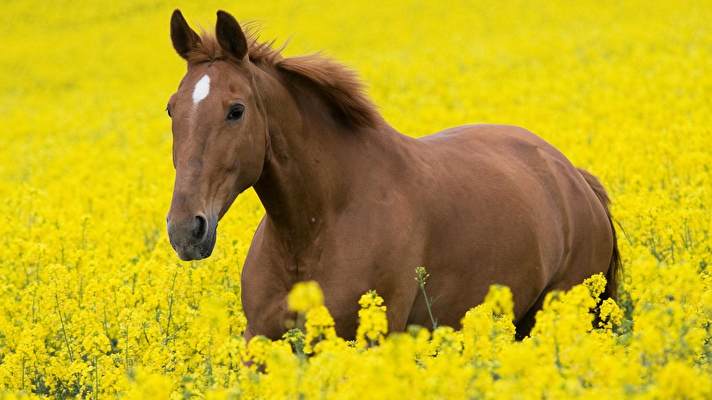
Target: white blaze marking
[{"x": 201, "y": 90}]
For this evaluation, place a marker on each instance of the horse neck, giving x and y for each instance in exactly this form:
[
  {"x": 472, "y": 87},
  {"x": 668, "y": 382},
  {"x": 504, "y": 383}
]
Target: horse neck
[{"x": 312, "y": 161}]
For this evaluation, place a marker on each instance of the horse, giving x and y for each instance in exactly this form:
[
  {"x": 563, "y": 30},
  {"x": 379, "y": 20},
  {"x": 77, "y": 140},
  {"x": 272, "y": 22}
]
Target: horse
[{"x": 355, "y": 205}]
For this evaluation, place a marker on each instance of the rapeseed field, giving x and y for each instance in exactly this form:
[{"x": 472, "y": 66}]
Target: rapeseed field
[{"x": 94, "y": 303}]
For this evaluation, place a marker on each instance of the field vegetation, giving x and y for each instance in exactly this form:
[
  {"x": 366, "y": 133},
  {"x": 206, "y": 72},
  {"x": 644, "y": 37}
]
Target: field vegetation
[{"x": 94, "y": 302}]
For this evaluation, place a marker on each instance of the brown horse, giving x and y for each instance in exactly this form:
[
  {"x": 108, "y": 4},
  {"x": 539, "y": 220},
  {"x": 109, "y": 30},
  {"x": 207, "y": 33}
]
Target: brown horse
[{"x": 355, "y": 205}]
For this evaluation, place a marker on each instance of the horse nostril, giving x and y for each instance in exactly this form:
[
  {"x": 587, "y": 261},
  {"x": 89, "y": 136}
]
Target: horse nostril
[{"x": 200, "y": 227}]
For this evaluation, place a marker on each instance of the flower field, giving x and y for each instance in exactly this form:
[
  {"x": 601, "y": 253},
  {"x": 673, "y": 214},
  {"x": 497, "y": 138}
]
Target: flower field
[{"x": 94, "y": 302}]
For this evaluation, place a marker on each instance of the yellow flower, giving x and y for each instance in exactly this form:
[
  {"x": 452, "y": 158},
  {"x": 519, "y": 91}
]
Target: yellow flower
[
  {"x": 304, "y": 296},
  {"x": 611, "y": 315},
  {"x": 319, "y": 327},
  {"x": 373, "y": 324}
]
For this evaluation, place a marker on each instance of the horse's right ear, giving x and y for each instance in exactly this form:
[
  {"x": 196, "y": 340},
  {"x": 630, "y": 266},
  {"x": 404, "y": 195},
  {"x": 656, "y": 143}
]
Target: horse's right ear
[{"x": 183, "y": 37}]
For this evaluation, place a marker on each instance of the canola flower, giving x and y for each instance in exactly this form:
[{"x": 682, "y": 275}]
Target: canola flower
[
  {"x": 94, "y": 304},
  {"x": 373, "y": 323},
  {"x": 305, "y": 296}
]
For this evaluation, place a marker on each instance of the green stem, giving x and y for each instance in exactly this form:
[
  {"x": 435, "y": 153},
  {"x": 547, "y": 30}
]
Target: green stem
[
  {"x": 428, "y": 306},
  {"x": 127, "y": 348},
  {"x": 170, "y": 308},
  {"x": 64, "y": 331},
  {"x": 96, "y": 379}
]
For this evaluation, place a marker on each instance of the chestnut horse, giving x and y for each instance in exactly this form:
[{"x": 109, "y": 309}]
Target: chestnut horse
[{"x": 355, "y": 205}]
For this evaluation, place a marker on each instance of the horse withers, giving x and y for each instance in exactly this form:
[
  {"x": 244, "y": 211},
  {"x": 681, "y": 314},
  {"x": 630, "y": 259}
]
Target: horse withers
[{"x": 355, "y": 205}]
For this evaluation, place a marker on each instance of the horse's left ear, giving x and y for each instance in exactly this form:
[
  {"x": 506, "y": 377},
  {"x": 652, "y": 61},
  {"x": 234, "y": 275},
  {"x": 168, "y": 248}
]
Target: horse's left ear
[{"x": 230, "y": 36}]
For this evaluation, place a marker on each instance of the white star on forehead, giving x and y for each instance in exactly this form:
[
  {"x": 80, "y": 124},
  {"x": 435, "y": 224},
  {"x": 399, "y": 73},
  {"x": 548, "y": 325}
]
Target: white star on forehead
[{"x": 202, "y": 89}]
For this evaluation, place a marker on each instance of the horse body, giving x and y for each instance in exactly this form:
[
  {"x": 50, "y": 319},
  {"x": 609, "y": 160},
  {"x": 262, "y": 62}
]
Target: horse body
[
  {"x": 439, "y": 204},
  {"x": 355, "y": 205},
  {"x": 524, "y": 217}
]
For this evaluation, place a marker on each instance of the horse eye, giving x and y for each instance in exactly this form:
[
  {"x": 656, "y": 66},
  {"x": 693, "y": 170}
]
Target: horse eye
[
  {"x": 168, "y": 110},
  {"x": 235, "y": 113}
]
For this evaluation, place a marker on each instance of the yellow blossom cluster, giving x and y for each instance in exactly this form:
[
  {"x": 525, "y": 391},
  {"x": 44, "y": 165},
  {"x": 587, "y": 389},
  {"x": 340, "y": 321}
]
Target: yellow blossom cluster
[
  {"x": 305, "y": 296},
  {"x": 372, "y": 321},
  {"x": 94, "y": 303}
]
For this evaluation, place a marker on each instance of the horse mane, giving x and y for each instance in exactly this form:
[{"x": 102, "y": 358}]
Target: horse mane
[{"x": 338, "y": 85}]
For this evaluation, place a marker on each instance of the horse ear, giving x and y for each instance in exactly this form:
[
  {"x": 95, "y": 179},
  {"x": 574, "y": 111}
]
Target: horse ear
[
  {"x": 230, "y": 35},
  {"x": 183, "y": 37}
]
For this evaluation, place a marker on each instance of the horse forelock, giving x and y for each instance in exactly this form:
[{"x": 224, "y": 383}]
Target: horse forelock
[{"x": 338, "y": 85}]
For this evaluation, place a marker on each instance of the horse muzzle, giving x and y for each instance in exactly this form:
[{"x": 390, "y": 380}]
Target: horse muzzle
[{"x": 193, "y": 238}]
